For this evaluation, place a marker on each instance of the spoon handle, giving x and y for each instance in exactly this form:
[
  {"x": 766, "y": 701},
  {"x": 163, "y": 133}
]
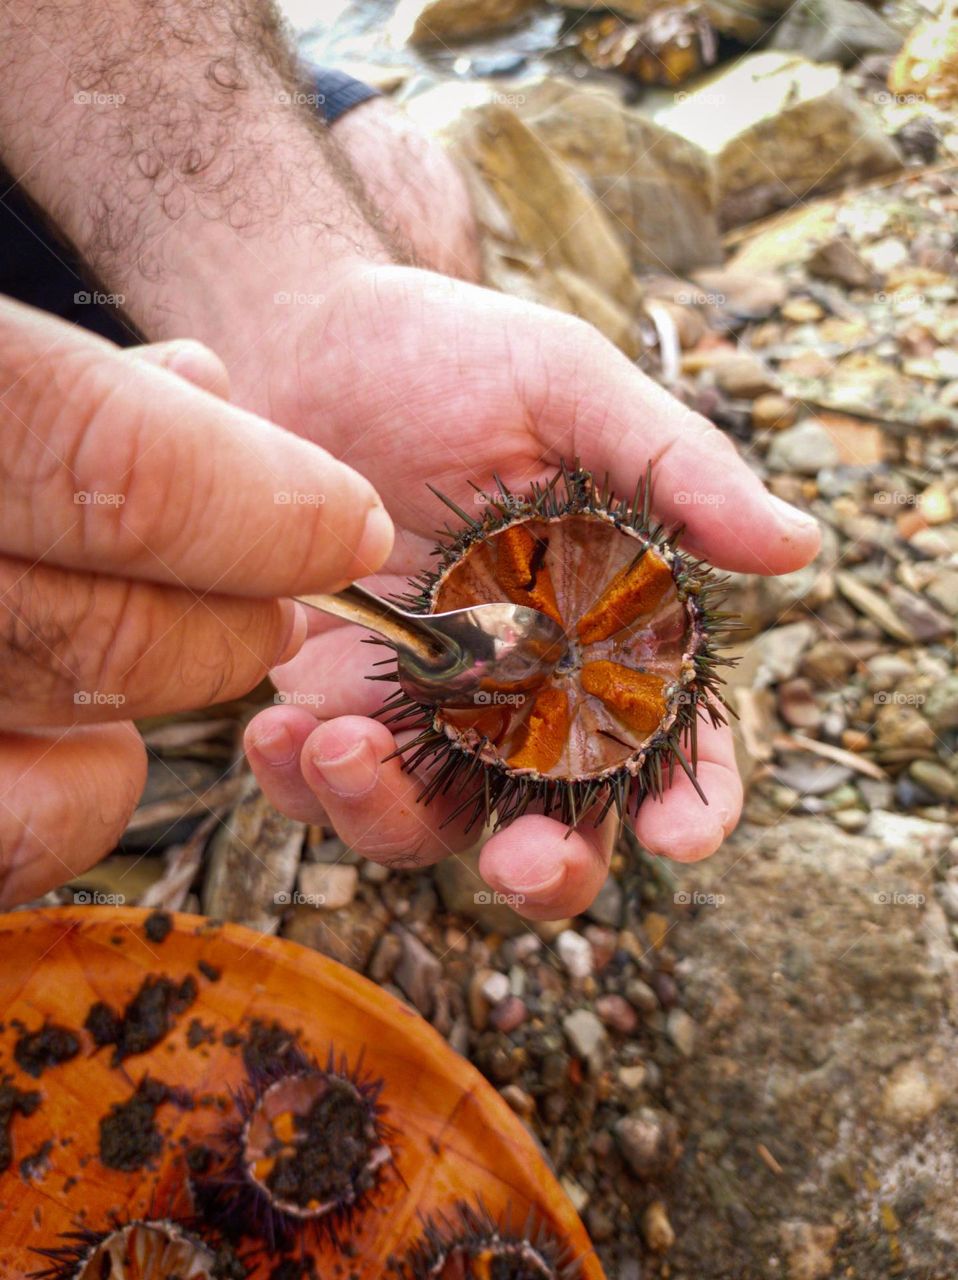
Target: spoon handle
[{"x": 356, "y": 604}]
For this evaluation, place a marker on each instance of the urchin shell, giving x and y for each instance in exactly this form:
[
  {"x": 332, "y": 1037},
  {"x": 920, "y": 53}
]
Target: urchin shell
[
  {"x": 645, "y": 628},
  {"x": 471, "y": 1244},
  {"x": 138, "y": 1250},
  {"x": 238, "y": 1198}
]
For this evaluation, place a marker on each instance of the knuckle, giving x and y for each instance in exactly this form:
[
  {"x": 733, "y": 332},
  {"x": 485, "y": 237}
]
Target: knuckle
[
  {"x": 36, "y": 640},
  {"x": 153, "y": 645},
  {"x": 134, "y": 488}
]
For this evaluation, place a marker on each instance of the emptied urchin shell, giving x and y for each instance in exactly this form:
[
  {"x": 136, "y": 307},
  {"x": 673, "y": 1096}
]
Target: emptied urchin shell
[
  {"x": 472, "y": 1245},
  {"x": 607, "y": 726},
  {"x": 310, "y": 1146},
  {"x": 135, "y": 1251}
]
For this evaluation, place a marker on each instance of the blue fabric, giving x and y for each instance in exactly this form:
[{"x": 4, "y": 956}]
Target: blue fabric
[
  {"x": 38, "y": 268},
  {"x": 338, "y": 93}
]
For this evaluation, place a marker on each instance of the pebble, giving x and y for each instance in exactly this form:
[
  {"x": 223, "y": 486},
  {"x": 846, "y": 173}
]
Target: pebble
[
  {"x": 374, "y": 872},
  {"x": 798, "y": 704},
  {"x": 600, "y": 1224},
  {"x": 385, "y": 958},
  {"x": 495, "y": 987},
  {"x": 576, "y": 954},
  {"x": 885, "y": 671},
  {"x": 465, "y": 893},
  {"x": 681, "y": 1029},
  {"x": 810, "y": 775},
  {"x": 476, "y": 1001},
  {"x": 850, "y": 819},
  {"x": 526, "y": 946},
  {"x": 648, "y": 1139},
  {"x": 328, "y": 886},
  {"x": 521, "y": 1102},
  {"x": 940, "y": 708},
  {"x": 934, "y": 777},
  {"x": 779, "y": 652},
  {"x": 329, "y": 850},
  {"x": 826, "y": 662},
  {"x": 744, "y": 378},
  {"x": 607, "y": 906},
  {"x": 886, "y": 255},
  {"x": 910, "y": 1095},
  {"x": 632, "y": 1078},
  {"x": 616, "y": 1012},
  {"x": 867, "y": 601},
  {"x": 801, "y": 311},
  {"x": 417, "y": 972},
  {"x": 806, "y": 448},
  {"x": 665, "y": 988},
  {"x": 751, "y": 295},
  {"x": 576, "y": 1193},
  {"x": 808, "y": 1249},
  {"x": 547, "y": 930},
  {"x": 901, "y": 727},
  {"x": 459, "y": 1037},
  {"x": 603, "y": 942},
  {"x": 773, "y": 412},
  {"x": 641, "y": 995},
  {"x": 657, "y": 1230},
  {"x": 943, "y": 589},
  {"x": 554, "y": 1070},
  {"x": 948, "y": 897},
  {"x": 509, "y": 1015},
  {"x": 587, "y": 1036},
  {"x": 656, "y": 927},
  {"x": 839, "y": 260}
]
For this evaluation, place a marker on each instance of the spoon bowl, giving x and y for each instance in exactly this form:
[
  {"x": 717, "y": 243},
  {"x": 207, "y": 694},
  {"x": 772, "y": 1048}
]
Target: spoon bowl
[{"x": 466, "y": 657}]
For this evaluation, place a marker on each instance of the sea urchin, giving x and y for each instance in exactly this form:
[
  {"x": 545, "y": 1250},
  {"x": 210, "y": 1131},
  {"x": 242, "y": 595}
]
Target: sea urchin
[
  {"x": 473, "y": 1245},
  {"x": 310, "y": 1146},
  {"x": 607, "y": 726},
  {"x": 135, "y": 1251}
]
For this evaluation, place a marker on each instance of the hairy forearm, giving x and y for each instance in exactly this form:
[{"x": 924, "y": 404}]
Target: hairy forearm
[{"x": 173, "y": 144}]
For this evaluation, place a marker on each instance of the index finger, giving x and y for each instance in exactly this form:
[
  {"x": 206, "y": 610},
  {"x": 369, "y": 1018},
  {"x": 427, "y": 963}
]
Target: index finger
[{"x": 117, "y": 466}]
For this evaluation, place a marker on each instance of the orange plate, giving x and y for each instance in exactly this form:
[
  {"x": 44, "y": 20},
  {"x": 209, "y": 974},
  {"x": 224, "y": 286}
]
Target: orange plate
[{"x": 457, "y": 1138}]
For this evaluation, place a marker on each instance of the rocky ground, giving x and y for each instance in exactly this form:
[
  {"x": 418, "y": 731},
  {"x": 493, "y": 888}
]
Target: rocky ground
[{"x": 744, "y": 1069}]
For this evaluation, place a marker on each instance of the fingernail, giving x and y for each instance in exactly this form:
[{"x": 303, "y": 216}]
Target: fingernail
[
  {"x": 540, "y": 886},
  {"x": 792, "y": 517},
  {"x": 376, "y": 541},
  {"x": 276, "y": 746},
  {"x": 295, "y": 634},
  {"x": 351, "y": 774}
]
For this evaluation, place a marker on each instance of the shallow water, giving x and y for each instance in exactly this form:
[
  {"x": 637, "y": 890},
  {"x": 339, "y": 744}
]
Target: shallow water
[{"x": 337, "y": 31}]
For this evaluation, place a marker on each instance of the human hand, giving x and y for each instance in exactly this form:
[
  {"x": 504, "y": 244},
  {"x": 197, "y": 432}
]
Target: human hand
[
  {"x": 413, "y": 378},
  {"x": 143, "y": 549}
]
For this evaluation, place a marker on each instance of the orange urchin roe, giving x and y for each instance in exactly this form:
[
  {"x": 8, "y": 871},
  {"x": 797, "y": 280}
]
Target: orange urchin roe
[
  {"x": 634, "y": 697},
  {"x": 284, "y": 1126},
  {"x": 481, "y": 1266},
  {"x": 492, "y": 722},
  {"x": 522, "y": 574},
  {"x": 634, "y": 590},
  {"x": 545, "y": 732}
]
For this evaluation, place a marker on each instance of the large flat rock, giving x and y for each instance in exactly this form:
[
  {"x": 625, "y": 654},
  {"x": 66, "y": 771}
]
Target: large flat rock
[
  {"x": 659, "y": 188},
  {"x": 818, "y": 1110},
  {"x": 779, "y": 128}
]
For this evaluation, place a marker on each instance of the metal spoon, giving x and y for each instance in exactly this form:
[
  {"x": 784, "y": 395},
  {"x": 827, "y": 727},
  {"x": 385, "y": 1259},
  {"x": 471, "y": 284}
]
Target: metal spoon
[{"x": 466, "y": 657}]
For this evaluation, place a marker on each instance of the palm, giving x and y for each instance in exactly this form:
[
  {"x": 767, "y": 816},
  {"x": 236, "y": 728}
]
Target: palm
[{"x": 416, "y": 380}]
